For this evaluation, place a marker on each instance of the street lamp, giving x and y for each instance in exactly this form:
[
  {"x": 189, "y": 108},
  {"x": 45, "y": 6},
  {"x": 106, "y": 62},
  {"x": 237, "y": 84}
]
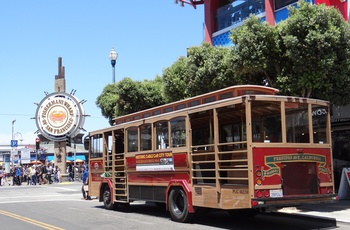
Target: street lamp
[
  {"x": 13, "y": 137},
  {"x": 113, "y": 55}
]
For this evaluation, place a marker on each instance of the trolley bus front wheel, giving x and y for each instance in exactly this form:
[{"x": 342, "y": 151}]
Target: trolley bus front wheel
[
  {"x": 107, "y": 201},
  {"x": 178, "y": 205}
]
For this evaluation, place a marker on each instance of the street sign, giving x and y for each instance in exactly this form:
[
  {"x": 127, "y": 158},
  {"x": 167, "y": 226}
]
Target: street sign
[{"x": 14, "y": 143}]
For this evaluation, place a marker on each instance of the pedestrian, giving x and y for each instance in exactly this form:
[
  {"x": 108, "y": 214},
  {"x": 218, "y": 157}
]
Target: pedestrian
[
  {"x": 85, "y": 179},
  {"x": 27, "y": 173},
  {"x": 44, "y": 173},
  {"x": 48, "y": 173},
  {"x": 1, "y": 175},
  {"x": 39, "y": 175},
  {"x": 70, "y": 172},
  {"x": 33, "y": 175},
  {"x": 57, "y": 174},
  {"x": 18, "y": 176},
  {"x": 24, "y": 173}
]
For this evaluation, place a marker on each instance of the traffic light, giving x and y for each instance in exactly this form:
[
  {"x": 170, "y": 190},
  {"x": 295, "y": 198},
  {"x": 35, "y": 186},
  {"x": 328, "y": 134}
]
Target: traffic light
[
  {"x": 69, "y": 154},
  {"x": 37, "y": 143},
  {"x": 68, "y": 141}
]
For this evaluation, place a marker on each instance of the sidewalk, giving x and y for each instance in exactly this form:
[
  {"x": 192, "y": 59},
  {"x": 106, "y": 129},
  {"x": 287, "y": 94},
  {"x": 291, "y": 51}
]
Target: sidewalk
[{"x": 339, "y": 210}]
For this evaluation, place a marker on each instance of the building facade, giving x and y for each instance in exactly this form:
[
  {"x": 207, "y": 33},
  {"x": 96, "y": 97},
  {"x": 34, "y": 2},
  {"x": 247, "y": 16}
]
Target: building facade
[
  {"x": 44, "y": 154},
  {"x": 221, "y": 16}
]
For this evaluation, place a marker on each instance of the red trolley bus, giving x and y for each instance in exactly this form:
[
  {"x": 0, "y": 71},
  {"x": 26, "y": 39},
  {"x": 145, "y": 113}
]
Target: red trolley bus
[{"x": 240, "y": 149}]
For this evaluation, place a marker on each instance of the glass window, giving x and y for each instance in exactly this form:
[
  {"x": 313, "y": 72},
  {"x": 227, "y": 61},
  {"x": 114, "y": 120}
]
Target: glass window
[
  {"x": 319, "y": 123},
  {"x": 236, "y": 11},
  {"x": 146, "y": 137},
  {"x": 297, "y": 122},
  {"x": 202, "y": 128},
  {"x": 266, "y": 121},
  {"x": 96, "y": 146},
  {"x": 162, "y": 130},
  {"x": 178, "y": 132},
  {"x": 232, "y": 126},
  {"x": 282, "y": 3},
  {"x": 132, "y": 139},
  {"x": 194, "y": 103}
]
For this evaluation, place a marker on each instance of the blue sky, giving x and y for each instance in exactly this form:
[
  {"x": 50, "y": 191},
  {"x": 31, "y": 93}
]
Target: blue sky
[{"x": 147, "y": 35}]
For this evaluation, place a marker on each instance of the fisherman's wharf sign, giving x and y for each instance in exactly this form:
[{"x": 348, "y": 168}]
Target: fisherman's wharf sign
[{"x": 59, "y": 115}]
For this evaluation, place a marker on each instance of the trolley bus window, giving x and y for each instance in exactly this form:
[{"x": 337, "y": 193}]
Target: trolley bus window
[
  {"x": 132, "y": 139},
  {"x": 146, "y": 137},
  {"x": 178, "y": 132},
  {"x": 266, "y": 121},
  {"x": 202, "y": 129},
  {"x": 162, "y": 140},
  {"x": 232, "y": 127},
  {"x": 319, "y": 123},
  {"x": 96, "y": 146},
  {"x": 119, "y": 142},
  {"x": 297, "y": 122}
]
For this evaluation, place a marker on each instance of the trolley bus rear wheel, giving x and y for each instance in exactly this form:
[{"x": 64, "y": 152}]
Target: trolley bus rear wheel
[
  {"x": 178, "y": 205},
  {"x": 107, "y": 201}
]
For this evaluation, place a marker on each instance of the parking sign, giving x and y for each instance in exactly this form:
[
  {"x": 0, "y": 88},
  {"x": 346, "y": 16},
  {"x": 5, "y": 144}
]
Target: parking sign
[{"x": 14, "y": 143}]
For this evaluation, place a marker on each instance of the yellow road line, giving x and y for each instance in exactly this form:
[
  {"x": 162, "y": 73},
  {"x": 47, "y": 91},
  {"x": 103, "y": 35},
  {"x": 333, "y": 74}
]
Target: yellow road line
[{"x": 30, "y": 221}]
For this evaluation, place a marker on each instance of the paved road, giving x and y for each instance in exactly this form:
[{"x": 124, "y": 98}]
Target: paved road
[{"x": 59, "y": 206}]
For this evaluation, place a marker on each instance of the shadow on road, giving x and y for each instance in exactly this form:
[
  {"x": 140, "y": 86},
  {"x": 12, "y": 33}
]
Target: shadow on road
[{"x": 221, "y": 219}]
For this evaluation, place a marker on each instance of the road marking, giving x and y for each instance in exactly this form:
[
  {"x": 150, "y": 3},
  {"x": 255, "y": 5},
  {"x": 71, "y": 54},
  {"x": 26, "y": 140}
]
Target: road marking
[{"x": 30, "y": 221}]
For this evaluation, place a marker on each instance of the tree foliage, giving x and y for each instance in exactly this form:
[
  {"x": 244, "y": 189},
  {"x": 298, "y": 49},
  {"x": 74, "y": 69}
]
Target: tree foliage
[
  {"x": 305, "y": 55},
  {"x": 175, "y": 80},
  {"x": 315, "y": 46},
  {"x": 128, "y": 96},
  {"x": 255, "y": 56},
  {"x": 203, "y": 70}
]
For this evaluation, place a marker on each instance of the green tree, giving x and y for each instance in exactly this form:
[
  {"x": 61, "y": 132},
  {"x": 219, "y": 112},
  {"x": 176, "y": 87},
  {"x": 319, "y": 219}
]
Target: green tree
[
  {"x": 255, "y": 57},
  {"x": 175, "y": 80},
  {"x": 315, "y": 45},
  {"x": 203, "y": 70},
  {"x": 207, "y": 69},
  {"x": 128, "y": 96}
]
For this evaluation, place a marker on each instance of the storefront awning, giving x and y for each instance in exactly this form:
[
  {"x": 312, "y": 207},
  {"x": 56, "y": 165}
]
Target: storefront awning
[{"x": 78, "y": 157}]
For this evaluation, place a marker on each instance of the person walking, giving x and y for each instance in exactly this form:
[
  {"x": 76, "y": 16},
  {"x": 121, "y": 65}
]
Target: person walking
[
  {"x": 70, "y": 172},
  {"x": 18, "y": 175},
  {"x": 29, "y": 177},
  {"x": 85, "y": 179},
  {"x": 39, "y": 175},
  {"x": 57, "y": 175},
  {"x": 49, "y": 173},
  {"x": 1, "y": 175},
  {"x": 33, "y": 175}
]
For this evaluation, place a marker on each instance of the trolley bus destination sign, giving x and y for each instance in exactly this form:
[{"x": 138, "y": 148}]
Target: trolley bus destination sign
[
  {"x": 155, "y": 162},
  {"x": 272, "y": 161}
]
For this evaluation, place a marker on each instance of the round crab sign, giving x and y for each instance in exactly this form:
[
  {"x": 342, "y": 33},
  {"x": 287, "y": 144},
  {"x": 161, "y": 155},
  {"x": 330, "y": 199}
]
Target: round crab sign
[{"x": 59, "y": 115}]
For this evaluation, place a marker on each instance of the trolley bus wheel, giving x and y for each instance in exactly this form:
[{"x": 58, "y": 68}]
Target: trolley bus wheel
[
  {"x": 107, "y": 201},
  {"x": 178, "y": 206}
]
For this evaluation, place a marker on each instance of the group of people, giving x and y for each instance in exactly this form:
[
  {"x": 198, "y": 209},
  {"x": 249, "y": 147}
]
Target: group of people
[
  {"x": 32, "y": 175},
  {"x": 43, "y": 174}
]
